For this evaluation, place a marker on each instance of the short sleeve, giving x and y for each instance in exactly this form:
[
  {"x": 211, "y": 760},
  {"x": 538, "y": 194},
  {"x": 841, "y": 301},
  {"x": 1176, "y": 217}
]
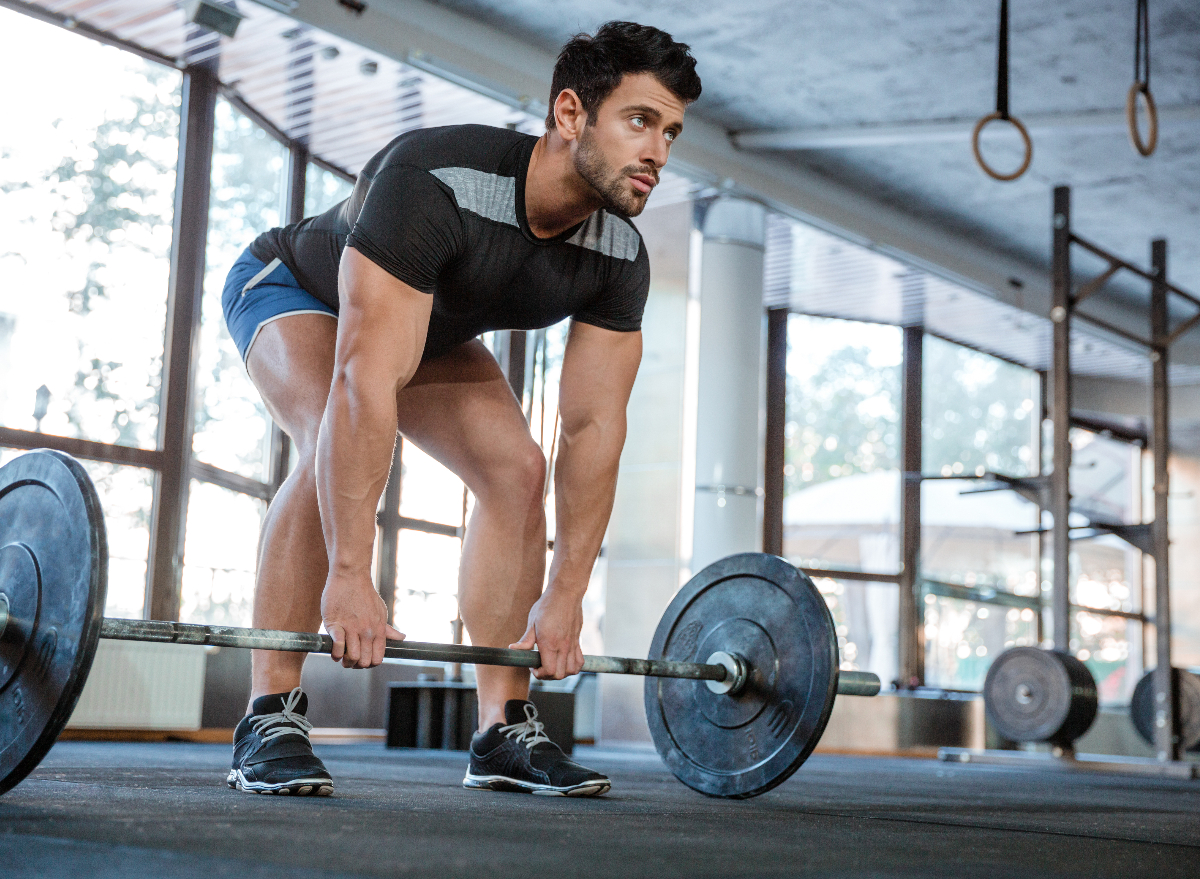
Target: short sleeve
[
  {"x": 409, "y": 226},
  {"x": 620, "y": 306}
]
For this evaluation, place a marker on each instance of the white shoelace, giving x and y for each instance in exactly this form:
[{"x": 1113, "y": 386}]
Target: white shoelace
[
  {"x": 290, "y": 723},
  {"x": 529, "y": 731}
]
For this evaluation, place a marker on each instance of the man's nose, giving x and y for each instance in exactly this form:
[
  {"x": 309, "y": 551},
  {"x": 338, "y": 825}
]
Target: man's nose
[{"x": 656, "y": 152}]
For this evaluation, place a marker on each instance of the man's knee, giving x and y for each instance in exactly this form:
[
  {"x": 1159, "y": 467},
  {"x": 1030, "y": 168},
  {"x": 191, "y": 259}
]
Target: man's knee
[{"x": 518, "y": 480}]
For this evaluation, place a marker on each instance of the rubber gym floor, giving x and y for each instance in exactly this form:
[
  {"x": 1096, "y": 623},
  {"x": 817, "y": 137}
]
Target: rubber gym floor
[{"x": 95, "y": 809}]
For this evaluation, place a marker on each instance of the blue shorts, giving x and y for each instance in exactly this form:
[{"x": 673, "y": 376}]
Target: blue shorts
[{"x": 257, "y": 293}]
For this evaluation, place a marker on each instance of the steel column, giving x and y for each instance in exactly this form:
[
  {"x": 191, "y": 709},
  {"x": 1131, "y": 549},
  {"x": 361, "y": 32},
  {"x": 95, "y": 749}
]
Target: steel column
[
  {"x": 912, "y": 628},
  {"x": 1166, "y": 715},
  {"x": 1060, "y": 381},
  {"x": 774, "y": 483},
  {"x": 186, "y": 286}
]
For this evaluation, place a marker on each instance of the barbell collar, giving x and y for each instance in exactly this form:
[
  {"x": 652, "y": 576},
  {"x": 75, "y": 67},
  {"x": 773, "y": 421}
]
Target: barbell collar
[
  {"x": 161, "y": 631},
  {"x": 858, "y": 683},
  {"x": 3, "y": 613}
]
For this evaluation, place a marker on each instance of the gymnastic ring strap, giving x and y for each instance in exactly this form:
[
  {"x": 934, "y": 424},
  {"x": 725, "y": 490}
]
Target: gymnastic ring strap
[
  {"x": 1021, "y": 129},
  {"x": 1141, "y": 85},
  {"x": 1002, "y": 107},
  {"x": 1147, "y": 146}
]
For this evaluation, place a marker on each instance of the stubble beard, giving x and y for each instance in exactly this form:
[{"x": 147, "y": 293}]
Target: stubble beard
[{"x": 613, "y": 188}]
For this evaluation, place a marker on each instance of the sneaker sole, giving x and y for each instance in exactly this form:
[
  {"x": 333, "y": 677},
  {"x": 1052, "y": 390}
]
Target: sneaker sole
[
  {"x": 504, "y": 783},
  {"x": 300, "y": 787}
]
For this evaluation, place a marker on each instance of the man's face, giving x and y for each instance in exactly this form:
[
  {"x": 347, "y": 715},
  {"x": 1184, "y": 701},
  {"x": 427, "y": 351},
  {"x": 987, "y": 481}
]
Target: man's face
[{"x": 621, "y": 151}]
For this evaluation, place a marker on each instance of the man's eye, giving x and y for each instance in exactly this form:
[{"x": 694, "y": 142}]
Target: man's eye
[
  {"x": 670, "y": 136},
  {"x": 639, "y": 121}
]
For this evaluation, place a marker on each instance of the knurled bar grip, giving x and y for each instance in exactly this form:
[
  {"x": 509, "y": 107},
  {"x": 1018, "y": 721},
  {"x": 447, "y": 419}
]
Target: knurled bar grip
[{"x": 850, "y": 683}]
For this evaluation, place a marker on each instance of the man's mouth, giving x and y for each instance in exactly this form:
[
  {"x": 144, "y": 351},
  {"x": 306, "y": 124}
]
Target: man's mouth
[{"x": 643, "y": 183}]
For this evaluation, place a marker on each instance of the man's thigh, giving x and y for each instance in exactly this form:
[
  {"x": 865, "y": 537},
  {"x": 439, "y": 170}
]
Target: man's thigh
[
  {"x": 291, "y": 365},
  {"x": 460, "y": 410}
]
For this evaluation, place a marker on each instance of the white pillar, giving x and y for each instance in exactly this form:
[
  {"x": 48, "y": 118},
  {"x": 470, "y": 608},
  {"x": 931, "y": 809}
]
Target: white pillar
[{"x": 729, "y": 372}]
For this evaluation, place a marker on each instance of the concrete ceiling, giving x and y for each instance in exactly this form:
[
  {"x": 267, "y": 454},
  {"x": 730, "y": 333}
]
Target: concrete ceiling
[{"x": 782, "y": 64}]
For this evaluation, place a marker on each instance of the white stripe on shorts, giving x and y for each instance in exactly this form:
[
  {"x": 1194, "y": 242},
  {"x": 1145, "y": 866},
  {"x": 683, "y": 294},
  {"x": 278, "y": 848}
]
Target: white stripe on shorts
[{"x": 270, "y": 267}]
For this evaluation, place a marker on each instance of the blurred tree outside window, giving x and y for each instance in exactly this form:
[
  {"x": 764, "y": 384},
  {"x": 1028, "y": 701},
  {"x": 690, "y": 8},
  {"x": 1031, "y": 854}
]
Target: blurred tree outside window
[
  {"x": 842, "y": 476},
  {"x": 841, "y": 472},
  {"x": 86, "y": 192},
  {"x": 980, "y": 415},
  {"x": 248, "y": 184},
  {"x": 323, "y": 189},
  {"x": 232, "y": 427},
  {"x": 87, "y": 181}
]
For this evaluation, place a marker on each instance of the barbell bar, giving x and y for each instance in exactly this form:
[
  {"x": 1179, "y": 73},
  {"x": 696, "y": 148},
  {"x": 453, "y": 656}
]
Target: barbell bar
[
  {"x": 771, "y": 673},
  {"x": 850, "y": 683}
]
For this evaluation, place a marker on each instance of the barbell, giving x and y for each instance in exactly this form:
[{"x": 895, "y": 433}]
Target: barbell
[{"x": 751, "y": 626}]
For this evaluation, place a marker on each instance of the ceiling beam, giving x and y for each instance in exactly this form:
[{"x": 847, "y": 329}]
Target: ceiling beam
[{"x": 943, "y": 131}]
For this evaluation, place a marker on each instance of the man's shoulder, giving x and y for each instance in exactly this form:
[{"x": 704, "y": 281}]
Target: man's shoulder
[
  {"x": 609, "y": 234},
  {"x": 479, "y": 147}
]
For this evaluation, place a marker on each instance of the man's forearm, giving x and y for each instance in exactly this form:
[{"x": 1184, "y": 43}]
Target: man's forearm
[
  {"x": 354, "y": 453},
  {"x": 585, "y": 482}
]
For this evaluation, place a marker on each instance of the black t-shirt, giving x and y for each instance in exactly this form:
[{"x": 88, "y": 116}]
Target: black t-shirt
[{"x": 443, "y": 209}]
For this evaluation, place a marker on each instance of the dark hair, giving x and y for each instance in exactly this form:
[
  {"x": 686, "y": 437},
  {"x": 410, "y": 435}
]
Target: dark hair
[{"x": 592, "y": 66}]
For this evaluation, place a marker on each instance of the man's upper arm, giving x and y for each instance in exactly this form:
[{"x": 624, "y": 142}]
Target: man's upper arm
[
  {"x": 599, "y": 367},
  {"x": 382, "y": 322}
]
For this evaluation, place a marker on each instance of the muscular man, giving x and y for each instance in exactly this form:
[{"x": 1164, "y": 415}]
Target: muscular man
[{"x": 362, "y": 322}]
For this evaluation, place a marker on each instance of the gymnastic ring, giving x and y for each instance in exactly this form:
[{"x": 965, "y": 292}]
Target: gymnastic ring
[
  {"x": 1024, "y": 132},
  {"x": 1143, "y": 147}
]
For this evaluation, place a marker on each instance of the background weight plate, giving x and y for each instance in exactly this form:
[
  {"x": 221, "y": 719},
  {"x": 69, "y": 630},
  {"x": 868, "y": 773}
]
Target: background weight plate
[
  {"x": 762, "y": 608},
  {"x": 53, "y": 569},
  {"x": 1142, "y": 712},
  {"x": 1035, "y": 695}
]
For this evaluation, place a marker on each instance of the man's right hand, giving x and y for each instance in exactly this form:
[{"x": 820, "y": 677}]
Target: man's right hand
[{"x": 356, "y": 618}]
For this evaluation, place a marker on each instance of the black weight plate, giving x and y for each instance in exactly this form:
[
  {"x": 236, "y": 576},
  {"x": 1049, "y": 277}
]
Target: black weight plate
[
  {"x": 54, "y": 572},
  {"x": 1142, "y": 712},
  {"x": 1035, "y": 695},
  {"x": 765, "y": 610}
]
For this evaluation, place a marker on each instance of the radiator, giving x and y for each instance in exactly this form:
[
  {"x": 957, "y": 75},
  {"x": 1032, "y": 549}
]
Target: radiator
[{"x": 135, "y": 685}]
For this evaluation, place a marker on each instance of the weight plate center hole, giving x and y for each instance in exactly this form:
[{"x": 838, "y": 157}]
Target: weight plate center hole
[{"x": 1024, "y": 694}]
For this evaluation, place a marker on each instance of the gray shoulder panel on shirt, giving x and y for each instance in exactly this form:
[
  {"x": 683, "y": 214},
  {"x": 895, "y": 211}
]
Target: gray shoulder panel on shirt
[
  {"x": 608, "y": 235},
  {"x": 494, "y": 197},
  {"x": 489, "y": 195}
]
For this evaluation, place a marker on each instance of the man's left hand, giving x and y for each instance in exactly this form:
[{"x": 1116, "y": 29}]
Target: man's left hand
[{"x": 555, "y": 621}]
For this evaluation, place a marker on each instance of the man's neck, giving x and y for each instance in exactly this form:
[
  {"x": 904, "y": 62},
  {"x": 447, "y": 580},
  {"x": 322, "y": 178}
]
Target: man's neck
[{"x": 556, "y": 197}]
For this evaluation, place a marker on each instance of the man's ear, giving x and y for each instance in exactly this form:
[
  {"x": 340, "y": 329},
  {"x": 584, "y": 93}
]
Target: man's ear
[{"x": 569, "y": 115}]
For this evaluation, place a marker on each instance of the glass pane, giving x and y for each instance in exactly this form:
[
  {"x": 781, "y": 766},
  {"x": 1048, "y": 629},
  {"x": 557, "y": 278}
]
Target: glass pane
[
  {"x": 1111, "y": 648},
  {"x": 426, "y": 585},
  {"x": 963, "y": 637},
  {"x": 842, "y": 477},
  {"x": 126, "y": 496},
  {"x": 867, "y": 618},
  {"x": 979, "y": 413},
  {"x": 323, "y": 189},
  {"x": 972, "y": 539},
  {"x": 1104, "y": 477},
  {"x": 220, "y": 556},
  {"x": 232, "y": 427},
  {"x": 87, "y": 181},
  {"x": 428, "y": 490}
]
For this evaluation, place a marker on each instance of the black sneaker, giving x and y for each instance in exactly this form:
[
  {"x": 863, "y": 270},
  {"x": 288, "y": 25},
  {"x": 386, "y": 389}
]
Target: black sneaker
[
  {"x": 272, "y": 753},
  {"x": 519, "y": 757}
]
